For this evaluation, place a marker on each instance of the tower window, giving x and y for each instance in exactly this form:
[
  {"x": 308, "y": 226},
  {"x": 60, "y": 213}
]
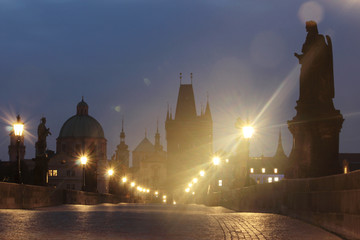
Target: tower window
[
  {"x": 263, "y": 170},
  {"x": 275, "y": 170},
  {"x": 270, "y": 179},
  {"x": 220, "y": 183},
  {"x": 251, "y": 170}
]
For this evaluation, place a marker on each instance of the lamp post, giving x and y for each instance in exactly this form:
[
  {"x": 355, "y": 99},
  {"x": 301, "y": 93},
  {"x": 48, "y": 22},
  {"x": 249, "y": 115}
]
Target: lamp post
[
  {"x": 83, "y": 161},
  {"x": 110, "y": 173},
  {"x": 247, "y": 131},
  {"x": 18, "y": 131}
]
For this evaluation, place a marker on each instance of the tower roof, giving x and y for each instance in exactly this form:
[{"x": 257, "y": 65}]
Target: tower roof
[
  {"x": 145, "y": 146},
  {"x": 280, "y": 154},
  {"x": 185, "y": 108},
  {"x": 81, "y": 124}
]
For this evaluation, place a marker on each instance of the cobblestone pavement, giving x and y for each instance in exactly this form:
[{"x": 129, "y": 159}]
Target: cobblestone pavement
[{"x": 151, "y": 221}]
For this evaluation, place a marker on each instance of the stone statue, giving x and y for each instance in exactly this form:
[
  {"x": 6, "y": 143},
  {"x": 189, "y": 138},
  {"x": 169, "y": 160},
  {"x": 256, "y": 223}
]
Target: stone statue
[
  {"x": 316, "y": 76},
  {"x": 43, "y": 132}
]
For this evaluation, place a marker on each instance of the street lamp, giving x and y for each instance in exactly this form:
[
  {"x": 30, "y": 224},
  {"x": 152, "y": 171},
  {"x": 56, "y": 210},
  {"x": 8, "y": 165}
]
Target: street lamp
[
  {"x": 247, "y": 131},
  {"x": 216, "y": 161},
  {"x": 83, "y": 161},
  {"x": 18, "y": 131},
  {"x": 124, "y": 179},
  {"x": 110, "y": 172},
  {"x": 202, "y": 173}
]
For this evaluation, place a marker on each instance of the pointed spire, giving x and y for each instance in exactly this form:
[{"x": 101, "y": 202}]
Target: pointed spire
[
  {"x": 191, "y": 77},
  {"x": 157, "y": 126},
  {"x": 170, "y": 113},
  {"x": 180, "y": 78},
  {"x": 122, "y": 134},
  {"x": 167, "y": 114},
  {"x": 280, "y": 150},
  {"x": 207, "y": 109},
  {"x": 145, "y": 133},
  {"x": 157, "y": 145}
]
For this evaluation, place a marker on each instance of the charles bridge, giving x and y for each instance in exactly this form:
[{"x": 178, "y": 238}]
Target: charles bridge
[{"x": 332, "y": 203}]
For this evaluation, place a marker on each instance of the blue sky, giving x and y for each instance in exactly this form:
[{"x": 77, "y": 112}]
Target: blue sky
[{"x": 125, "y": 57}]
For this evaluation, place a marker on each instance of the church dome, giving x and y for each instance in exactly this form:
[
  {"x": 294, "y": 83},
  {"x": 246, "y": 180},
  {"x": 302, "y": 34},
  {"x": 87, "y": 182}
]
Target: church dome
[{"x": 81, "y": 124}]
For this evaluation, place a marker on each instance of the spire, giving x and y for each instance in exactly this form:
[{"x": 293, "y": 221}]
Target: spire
[
  {"x": 170, "y": 113},
  {"x": 280, "y": 150},
  {"x": 207, "y": 109},
  {"x": 185, "y": 107},
  {"x": 82, "y": 108},
  {"x": 167, "y": 114},
  {"x": 122, "y": 134},
  {"x": 191, "y": 77},
  {"x": 180, "y": 78},
  {"x": 157, "y": 137},
  {"x": 145, "y": 133}
]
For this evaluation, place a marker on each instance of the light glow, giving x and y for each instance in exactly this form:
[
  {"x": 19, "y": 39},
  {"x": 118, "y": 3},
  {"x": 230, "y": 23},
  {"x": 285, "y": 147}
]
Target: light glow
[
  {"x": 83, "y": 160},
  {"x": 247, "y": 131},
  {"x": 124, "y": 179},
  {"x": 110, "y": 172},
  {"x": 18, "y": 129},
  {"x": 216, "y": 160},
  {"x": 202, "y": 173},
  {"x": 132, "y": 184},
  {"x": 187, "y": 190},
  {"x": 195, "y": 180}
]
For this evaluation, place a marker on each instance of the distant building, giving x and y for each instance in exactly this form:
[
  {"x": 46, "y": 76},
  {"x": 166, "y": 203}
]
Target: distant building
[
  {"x": 120, "y": 160},
  {"x": 189, "y": 139},
  {"x": 149, "y": 164},
  {"x": 269, "y": 169},
  {"x": 349, "y": 161},
  {"x": 80, "y": 135}
]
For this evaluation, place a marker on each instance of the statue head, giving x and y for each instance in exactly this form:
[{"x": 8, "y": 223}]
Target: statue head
[
  {"x": 43, "y": 120},
  {"x": 311, "y": 27}
]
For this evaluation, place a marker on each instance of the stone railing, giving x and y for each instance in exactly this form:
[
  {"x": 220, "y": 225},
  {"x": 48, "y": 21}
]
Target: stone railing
[
  {"x": 14, "y": 195},
  {"x": 331, "y": 202}
]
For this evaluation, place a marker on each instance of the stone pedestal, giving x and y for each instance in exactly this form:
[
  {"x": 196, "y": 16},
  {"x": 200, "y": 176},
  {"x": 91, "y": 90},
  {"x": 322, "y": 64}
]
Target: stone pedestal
[{"x": 315, "y": 142}]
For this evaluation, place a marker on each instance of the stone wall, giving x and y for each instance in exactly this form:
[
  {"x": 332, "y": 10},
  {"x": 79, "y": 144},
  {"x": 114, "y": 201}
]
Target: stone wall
[
  {"x": 331, "y": 202},
  {"x": 14, "y": 195}
]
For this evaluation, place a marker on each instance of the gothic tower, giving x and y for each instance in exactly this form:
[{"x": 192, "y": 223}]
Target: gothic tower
[
  {"x": 189, "y": 138},
  {"x": 122, "y": 151}
]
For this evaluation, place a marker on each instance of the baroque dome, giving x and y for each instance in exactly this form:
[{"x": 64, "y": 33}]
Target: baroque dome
[{"x": 81, "y": 124}]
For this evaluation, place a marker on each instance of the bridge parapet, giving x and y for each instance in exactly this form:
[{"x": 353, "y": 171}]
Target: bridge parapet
[{"x": 332, "y": 202}]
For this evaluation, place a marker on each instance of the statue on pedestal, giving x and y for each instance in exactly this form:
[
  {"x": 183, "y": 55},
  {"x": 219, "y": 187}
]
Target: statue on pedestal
[
  {"x": 316, "y": 76},
  {"x": 41, "y": 159},
  {"x": 317, "y": 124}
]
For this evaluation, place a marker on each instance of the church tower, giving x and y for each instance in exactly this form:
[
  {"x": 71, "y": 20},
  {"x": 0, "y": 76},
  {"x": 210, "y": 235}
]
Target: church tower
[
  {"x": 122, "y": 151},
  {"x": 189, "y": 138}
]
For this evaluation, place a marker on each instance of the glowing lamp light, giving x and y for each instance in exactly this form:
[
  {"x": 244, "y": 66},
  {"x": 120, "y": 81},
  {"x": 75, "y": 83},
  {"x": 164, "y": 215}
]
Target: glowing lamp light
[
  {"x": 202, "y": 173},
  {"x": 156, "y": 193},
  {"x": 164, "y": 197},
  {"x": 247, "y": 131},
  {"x": 195, "y": 180},
  {"x": 18, "y": 129},
  {"x": 110, "y": 172},
  {"x": 216, "y": 160},
  {"x": 190, "y": 185},
  {"x": 124, "y": 179},
  {"x": 164, "y": 200},
  {"x": 187, "y": 190},
  {"x": 193, "y": 193},
  {"x": 83, "y": 160},
  {"x": 147, "y": 190},
  {"x": 132, "y": 184},
  {"x": 174, "y": 202}
]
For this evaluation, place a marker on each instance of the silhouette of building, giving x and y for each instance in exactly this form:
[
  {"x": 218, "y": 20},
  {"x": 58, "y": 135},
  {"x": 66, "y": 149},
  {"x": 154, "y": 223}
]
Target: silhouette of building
[
  {"x": 80, "y": 135},
  {"x": 269, "y": 169},
  {"x": 120, "y": 160},
  {"x": 189, "y": 138},
  {"x": 149, "y": 164}
]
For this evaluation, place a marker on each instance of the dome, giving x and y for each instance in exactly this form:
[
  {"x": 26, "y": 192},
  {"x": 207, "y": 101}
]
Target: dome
[{"x": 81, "y": 124}]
